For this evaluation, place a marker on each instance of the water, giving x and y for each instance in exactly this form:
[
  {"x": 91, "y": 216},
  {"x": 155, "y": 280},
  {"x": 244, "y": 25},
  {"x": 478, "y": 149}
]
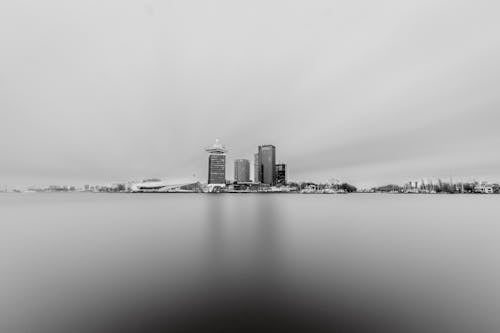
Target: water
[{"x": 249, "y": 263}]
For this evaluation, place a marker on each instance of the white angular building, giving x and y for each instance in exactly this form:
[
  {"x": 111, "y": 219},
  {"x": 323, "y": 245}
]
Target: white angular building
[{"x": 167, "y": 186}]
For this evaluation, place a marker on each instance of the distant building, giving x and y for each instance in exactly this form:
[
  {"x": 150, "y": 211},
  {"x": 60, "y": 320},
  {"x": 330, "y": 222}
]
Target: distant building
[
  {"x": 244, "y": 187},
  {"x": 187, "y": 185},
  {"x": 256, "y": 168},
  {"x": 266, "y": 161},
  {"x": 280, "y": 174},
  {"x": 487, "y": 189},
  {"x": 242, "y": 171},
  {"x": 216, "y": 165}
]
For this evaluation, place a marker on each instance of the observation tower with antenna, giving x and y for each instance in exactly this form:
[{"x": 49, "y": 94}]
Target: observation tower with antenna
[{"x": 216, "y": 166}]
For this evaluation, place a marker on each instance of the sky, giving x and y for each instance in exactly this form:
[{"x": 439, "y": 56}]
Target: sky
[{"x": 368, "y": 92}]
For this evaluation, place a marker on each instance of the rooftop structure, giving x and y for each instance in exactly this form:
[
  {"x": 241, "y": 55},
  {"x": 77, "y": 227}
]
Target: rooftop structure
[{"x": 216, "y": 148}]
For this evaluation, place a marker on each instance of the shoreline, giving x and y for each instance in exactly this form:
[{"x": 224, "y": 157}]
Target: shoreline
[{"x": 236, "y": 192}]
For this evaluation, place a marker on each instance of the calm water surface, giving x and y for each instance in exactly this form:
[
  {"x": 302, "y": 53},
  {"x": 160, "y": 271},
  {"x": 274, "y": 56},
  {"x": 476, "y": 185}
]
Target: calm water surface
[{"x": 249, "y": 262}]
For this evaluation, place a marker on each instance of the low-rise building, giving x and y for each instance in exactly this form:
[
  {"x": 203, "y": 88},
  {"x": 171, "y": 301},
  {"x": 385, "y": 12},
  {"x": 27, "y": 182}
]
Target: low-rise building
[{"x": 486, "y": 189}]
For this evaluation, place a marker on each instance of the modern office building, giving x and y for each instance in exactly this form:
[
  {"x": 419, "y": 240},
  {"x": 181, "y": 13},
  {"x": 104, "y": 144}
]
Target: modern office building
[
  {"x": 266, "y": 160},
  {"x": 242, "y": 171},
  {"x": 256, "y": 168},
  {"x": 280, "y": 174},
  {"x": 217, "y": 164}
]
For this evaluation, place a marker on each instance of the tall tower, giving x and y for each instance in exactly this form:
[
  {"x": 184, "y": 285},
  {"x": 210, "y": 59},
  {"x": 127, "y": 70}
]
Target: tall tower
[
  {"x": 242, "y": 170},
  {"x": 216, "y": 166},
  {"x": 256, "y": 168},
  {"x": 267, "y": 161}
]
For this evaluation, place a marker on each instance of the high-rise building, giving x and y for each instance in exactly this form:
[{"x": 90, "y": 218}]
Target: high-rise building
[
  {"x": 217, "y": 164},
  {"x": 242, "y": 170},
  {"x": 280, "y": 174},
  {"x": 256, "y": 168},
  {"x": 266, "y": 161}
]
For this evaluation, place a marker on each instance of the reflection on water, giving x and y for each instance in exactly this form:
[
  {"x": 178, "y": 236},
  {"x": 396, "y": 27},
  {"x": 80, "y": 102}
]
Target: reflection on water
[
  {"x": 267, "y": 236},
  {"x": 254, "y": 228},
  {"x": 251, "y": 263},
  {"x": 215, "y": 224}
]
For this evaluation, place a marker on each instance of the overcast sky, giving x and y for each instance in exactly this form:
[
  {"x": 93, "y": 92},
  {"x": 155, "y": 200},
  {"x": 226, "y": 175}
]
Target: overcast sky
[{"x": 364, "y": 91}]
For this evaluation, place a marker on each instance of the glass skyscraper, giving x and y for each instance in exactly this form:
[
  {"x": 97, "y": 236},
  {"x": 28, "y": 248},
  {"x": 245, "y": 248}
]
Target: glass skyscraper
[
  {"x": 266, "y": 159},
  {"x": 256, "y": 168}
]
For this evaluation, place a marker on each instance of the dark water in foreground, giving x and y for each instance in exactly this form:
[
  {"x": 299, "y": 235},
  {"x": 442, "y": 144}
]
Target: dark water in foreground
[{"x": 249, "y": 263}]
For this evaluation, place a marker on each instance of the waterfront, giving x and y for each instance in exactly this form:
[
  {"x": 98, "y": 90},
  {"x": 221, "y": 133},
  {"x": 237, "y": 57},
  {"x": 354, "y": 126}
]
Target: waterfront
[{"x": 177, "y": 261}]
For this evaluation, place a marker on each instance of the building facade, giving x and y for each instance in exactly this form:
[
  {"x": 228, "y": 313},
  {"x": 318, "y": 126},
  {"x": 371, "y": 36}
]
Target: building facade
[
  {"x": 217, "y": 169},
  {"x": 256, "y": 168},
  {"x": 217, "y": 164},
  {"x": 242, "y": 171},
  {"x": 280, "y": 174},
  {"x": 266, "y": 162}
]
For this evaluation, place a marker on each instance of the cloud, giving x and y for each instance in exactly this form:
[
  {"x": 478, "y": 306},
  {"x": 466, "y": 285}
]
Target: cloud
[{"x": 102, "y": 91}]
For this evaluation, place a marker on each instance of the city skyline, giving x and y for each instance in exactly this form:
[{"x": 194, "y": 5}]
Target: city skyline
[
  {"x": 269, "y": 176},
  {"x": 93, "y": 92},
  {"x": 218, "y": 150},
  {"x": 261, "y": 166}
]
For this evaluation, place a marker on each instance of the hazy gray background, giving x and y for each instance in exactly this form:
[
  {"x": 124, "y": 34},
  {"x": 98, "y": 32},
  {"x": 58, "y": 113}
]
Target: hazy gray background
[{"x": 366, "y": 91}]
